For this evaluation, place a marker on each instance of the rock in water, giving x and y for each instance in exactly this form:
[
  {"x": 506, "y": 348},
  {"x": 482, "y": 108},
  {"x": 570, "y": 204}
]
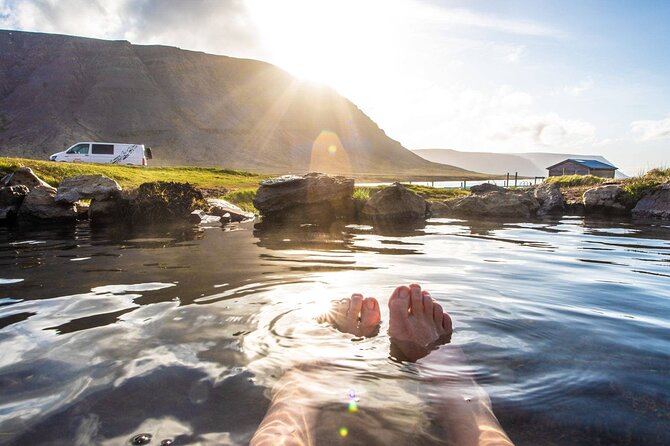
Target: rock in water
[
  {"x": 550, "y": 198},
  {"x": 496, "y": 204},
  {"x": 112, "y": 210},
  {"x": 97, "y": 187},
  {"x": 438, "y": 209},
  {"x": 10, "y": 201},
  {"x": 314, "y": 195},
  {"x": 220, "y": 207},
  {"x": 655, "y": 204},
  {"x": 40, "y": 205},
  {"x": 608, "y": 199},
  {"x": 161, "y": 201},
  {"x": 395, "y": 203},
  {"x": 485, "y": 188},
  {"x": 23, "y": 176}
]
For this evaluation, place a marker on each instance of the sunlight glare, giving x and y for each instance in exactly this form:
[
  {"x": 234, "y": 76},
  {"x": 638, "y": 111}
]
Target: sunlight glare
[{"x": 327, "y": 42}]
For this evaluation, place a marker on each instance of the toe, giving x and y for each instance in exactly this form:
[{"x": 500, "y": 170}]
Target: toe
[
  {"x": 427, "y": 304},
  {"x": 370, "y": 314},
  {"x": 416, "y": 299},
  {"x": 399, "y": 303},
  {"x": 447, "y": 324},
  {"x": 355, "y": 307},
  {"x": 438, "y": 315}
]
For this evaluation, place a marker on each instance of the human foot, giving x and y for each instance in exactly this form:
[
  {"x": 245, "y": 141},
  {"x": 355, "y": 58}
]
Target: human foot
[
  {"x": 417, "y": 323},
  {"x": 356, "y": 315}
]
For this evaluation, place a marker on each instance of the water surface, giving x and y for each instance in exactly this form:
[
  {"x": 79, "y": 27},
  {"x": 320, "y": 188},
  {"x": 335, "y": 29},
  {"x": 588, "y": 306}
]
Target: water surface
[{"x": 181, "y": 332}]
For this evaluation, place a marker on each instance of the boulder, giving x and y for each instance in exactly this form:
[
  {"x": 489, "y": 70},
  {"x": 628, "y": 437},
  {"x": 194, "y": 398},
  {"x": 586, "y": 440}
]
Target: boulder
[
  {"x": 23, "y": 176},
  {"x": 40, "y": 205},
  {"x": 112, "y": 210},
  {"x": 655, "y": 204},
  {"x": 97, "y": 187},
  {"x": 313, "y": 195},
  {"x": 550, "y": 198},
  {"x": 485, "y": 188},
  {"x": 220, "y": 207},
  {"x": 438, "y": 209},
  {"x": 395, "y": 203},
  {"x": 608, "y": 199},
  {"x": 161, "y": 201},
  {"x": 496, "y": 204},
  {"x": 11, "y": 198}
]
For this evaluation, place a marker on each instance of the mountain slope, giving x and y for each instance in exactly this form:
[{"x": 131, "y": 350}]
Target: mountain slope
[
  {"x": 526, "y": 164},
  {"x": 191, "y": 107}
]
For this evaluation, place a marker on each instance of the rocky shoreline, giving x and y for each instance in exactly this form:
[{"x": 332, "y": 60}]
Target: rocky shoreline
[{"x": 314, "y": 197}]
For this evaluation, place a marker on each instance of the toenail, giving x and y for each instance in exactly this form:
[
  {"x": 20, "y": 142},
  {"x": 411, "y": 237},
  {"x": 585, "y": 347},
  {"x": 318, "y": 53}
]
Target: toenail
[
  {"x": 370, "y": 304},
  {"x": 404, "y": 293}
]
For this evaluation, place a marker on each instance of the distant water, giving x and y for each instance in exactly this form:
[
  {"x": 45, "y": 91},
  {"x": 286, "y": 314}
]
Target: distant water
[
  {"x": 468, "y": 184},
  {"x": 179, "y": 333}
]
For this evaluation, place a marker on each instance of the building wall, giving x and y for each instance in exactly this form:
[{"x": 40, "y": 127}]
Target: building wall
[
  {"x": 568, "y": 168},
  {"x": 603, "y": 173}
]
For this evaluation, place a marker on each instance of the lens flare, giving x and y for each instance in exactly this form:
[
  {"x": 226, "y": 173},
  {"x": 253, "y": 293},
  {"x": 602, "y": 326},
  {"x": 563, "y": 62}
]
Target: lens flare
[
  {"x": 344, "y": 432},
  {"x": 353, "y": 406},
  {"x": 329, "y": 155}
]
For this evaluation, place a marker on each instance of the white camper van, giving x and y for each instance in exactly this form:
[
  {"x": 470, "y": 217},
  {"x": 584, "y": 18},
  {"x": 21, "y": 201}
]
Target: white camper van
[{"x": 104, "y": 153}]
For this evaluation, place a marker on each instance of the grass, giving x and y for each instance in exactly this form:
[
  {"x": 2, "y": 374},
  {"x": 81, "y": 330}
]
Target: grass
[
  {"x": 575, "y": 180},
  {"x": 635, "y": 187},
  {"x": 427, "y": 192},
  {"x": 242, "y": 198},
  {"x": 133, "y": 176},
  {"x": 638, "y": 187}
]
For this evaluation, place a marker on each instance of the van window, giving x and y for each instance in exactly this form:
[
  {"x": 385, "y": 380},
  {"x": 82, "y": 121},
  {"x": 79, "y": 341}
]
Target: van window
[
  {"x": 102, "y": 149},
  {"x": 79, "y": 149}
]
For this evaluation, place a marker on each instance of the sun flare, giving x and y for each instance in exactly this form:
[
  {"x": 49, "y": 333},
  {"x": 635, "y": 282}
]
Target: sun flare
[{"x": 318, "y": 41}]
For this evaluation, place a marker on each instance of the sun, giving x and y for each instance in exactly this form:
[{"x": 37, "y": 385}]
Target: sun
[{"x": 326, "y": 42}]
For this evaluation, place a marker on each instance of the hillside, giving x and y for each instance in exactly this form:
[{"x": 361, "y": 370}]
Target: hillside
[
  {"x": 526, "y": 164},
  {"x": 192, "y": 108}
]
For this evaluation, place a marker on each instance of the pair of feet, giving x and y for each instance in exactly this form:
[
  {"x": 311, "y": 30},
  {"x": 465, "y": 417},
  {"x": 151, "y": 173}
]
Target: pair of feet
[{"x": 417, "y": 323}]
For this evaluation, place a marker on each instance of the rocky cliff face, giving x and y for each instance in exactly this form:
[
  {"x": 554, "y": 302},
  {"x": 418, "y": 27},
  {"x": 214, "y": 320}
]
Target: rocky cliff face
[{"x": 191, "y": 107}]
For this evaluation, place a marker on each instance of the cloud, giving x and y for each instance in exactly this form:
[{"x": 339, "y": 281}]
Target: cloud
[
  {"x": 515, "y": 53},
  {"x": 549, "y": 130},
  {"x": 467, "y": 18},
  {"x": 581, "y": 87},
  {"x": 650, "y": 130},
  {"x": 207, "y": 25}
]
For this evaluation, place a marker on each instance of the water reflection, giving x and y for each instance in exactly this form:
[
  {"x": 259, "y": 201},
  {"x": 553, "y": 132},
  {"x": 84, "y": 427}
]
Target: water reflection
[{"x": 180, "y": 332}]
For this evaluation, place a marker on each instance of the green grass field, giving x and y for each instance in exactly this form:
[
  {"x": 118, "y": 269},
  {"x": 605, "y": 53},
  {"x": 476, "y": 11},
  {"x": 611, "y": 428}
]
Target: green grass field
[
  {"x": 236, "y": 186},
  {"x": 133, "y": 176}
]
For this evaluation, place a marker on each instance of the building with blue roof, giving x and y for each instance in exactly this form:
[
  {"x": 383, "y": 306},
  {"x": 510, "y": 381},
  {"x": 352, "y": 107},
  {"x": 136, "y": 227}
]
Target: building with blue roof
[{"x": 582, "y": 167}]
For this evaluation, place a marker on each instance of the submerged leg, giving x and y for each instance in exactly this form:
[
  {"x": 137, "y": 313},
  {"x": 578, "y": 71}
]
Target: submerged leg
[
  {"x": 291, "y": 417},
  {"x": 417, "y": 325}
]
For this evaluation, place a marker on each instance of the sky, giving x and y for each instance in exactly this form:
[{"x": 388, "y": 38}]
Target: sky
[{"x": 584, "y": 77}]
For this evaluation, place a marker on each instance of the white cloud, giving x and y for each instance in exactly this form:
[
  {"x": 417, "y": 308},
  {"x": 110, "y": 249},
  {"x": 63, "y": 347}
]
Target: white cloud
[
  {"x": 515, "y": 53},
  {"x": 650, "y": 130},
  {"x": 212, "y": 26},
  {"x": 581, "y": 87},
  {"x": 467, "y": 18},
  {"x": 548, "y": 130}
]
